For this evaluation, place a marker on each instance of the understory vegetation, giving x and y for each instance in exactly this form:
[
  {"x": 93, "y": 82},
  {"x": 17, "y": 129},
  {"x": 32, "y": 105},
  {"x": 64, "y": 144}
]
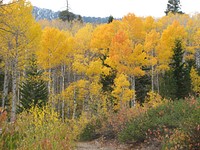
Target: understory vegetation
[{"x": 172, "y": 124}]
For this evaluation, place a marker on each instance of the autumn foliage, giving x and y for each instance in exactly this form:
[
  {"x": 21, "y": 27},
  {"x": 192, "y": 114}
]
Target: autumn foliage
[{"x": 102, "y": 73}]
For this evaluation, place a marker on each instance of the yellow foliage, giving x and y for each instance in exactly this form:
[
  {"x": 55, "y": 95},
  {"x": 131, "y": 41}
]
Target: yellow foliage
[
  {"x": 134, "y": 27},
  {"x": 149, "y": 24},
  {"x": 106, "y": 70},
  {"x": 19, "y": 32},
  {"x": 197, "y": 37},
  {"x": 95, "y": 89},
  {"x": 56, "y": 50},
  {"x": 173, "y": 32},
  {"x": 195, "y": 78},
  {"x": 83, "y": 38},
  {"x": 124, "y": 57},
  {"x": 76, "y": 90},
  {"x": 137, "y": 71},
  {"x": 151, "y": 41},
  {"x": 43, "y": 129},
  {"x": 80, "y": 64},
  {"x": 121, "y": 91},
  {"x": 101, "y": 37},
  {"x": 153, "y": 99},
  {"x": 94, "y": 68},
  {"x": 164, "y": 50}
]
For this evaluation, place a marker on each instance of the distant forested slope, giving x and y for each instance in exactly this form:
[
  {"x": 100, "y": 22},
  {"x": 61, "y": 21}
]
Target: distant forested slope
[{"x": 42, "y": 13}]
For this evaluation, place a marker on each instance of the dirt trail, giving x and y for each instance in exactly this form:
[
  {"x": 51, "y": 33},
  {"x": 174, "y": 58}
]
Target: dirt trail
[
  {"x": 96, "y": 145},
  {"x": 113, "y": 145}
]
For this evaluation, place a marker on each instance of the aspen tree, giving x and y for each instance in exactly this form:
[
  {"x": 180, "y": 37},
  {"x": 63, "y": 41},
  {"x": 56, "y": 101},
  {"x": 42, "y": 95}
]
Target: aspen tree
[
  {"x": 19, "y": 25},
  {"x": 150, "y": 45},
  {"x": 134, "y": 27}
]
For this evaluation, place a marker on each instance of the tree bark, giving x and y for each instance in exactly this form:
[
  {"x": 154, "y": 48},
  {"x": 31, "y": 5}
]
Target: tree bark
[
  {"x": 158, "y": 85},
  {"x": 197, "y": 58},
  {"x": 5, "y": 84},
  {"x": 68, "y": 81},
  {"x": 49, "y": 81},
  {"x": 75, "y": 103},
  {"x": 14, "y": 90},
  {"x": 14, "y": 79},
  {"x": 152, "y": 78},
  {"x": 53, "y": 82},
  {"x": 62, "y": 89},
  {"x": 133, "y": 88}
]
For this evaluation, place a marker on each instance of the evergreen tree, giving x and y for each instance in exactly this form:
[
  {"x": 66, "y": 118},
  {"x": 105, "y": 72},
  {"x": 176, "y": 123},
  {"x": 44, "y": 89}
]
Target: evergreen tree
[
  {"x": 179, "y": 71},
  {"x": 110, "y": 19},
  {"x": 167, "y": 85},
  {"x": 67, "y": 16},
  {"x": 174, "y": 7},
  {"x": 33, "y": 90},
  {"x": 143, "y": 86},
  {"x": 80, "y": 19},
  {"x": 107, "y": 81}
]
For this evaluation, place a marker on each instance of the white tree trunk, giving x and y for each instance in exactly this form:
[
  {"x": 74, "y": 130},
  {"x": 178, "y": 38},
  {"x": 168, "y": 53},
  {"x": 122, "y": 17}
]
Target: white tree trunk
[
  {"x": 5, "y": 84},
  {"x": 75, "y": 103},
  {"x": 197, "y": 58},
  {"x": 158, "y": 85},
  {"x": 49, "y": 81},
  {"x": 62, "y": 89},
  {"x": 152, "y": 78},
  {"x": 68, "y": 81},
  {"x": 133, "y": 88},
  {"x": 53, "y": 82},
  {"x": 14, "y": 90}
]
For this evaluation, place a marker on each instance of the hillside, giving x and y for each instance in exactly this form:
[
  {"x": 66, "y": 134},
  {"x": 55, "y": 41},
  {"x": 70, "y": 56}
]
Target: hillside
[{"x": 42, "y": 13}]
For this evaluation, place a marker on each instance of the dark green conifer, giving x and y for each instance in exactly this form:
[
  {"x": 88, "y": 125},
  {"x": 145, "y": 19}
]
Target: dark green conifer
[
  {"x": 179, "y": 71},
  {"x": 33, "y": 90},
  {"x": 110, "y": 19},
  {"x": 174, "y": 7}
]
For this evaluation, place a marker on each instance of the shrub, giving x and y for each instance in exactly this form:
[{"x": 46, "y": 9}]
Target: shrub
[
  {"x": 9, "y": 137},
  {"x": 41, "y": 128},
  {"x": 88, "y": 132},
  {"x": 118, "y": 121},
  {"x": 91, "y": 128},
  {"x": 165, "y": 123},
  {"x": 182, "y": 139}
]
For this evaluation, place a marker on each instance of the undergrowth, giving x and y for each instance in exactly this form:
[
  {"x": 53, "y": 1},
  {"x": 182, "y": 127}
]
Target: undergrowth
[{"x": 176, "y": 125}]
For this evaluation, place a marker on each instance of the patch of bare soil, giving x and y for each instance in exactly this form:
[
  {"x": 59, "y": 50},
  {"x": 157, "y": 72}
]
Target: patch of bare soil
[{"x": 100, "y": 144}]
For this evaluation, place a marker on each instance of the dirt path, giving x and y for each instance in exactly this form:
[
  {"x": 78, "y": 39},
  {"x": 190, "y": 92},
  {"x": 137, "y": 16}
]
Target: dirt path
[
  {"x": 97, "y": 145},
  {"x": 113, "y": 145}
]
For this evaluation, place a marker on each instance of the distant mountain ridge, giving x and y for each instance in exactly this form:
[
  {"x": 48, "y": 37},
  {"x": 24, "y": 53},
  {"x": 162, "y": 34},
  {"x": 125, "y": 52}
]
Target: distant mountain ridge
[{"x": 42, "y": 13}]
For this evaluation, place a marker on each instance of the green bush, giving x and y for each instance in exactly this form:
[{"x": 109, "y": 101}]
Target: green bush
[
  {"x": 88, "y": 133},
  {"x": 183, "y": 139},
  {"x": 162, "y": 121},
  {"x": 91, "y": 130},
  {"x": 9, "y": 137}
]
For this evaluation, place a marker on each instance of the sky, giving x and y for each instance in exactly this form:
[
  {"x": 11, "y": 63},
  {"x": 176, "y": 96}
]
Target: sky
[{"x": 117, "y": 8}]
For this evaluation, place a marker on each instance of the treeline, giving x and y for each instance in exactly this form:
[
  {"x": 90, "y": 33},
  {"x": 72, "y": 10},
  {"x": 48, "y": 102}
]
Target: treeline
[
  {"x": 41, "y": 14},
  {"x": 87, "y": 68}
]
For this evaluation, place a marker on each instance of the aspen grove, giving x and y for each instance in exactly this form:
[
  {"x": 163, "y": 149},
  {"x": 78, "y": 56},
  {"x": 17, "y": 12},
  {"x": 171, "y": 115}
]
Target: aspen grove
[{"x": 91, "y": 69}]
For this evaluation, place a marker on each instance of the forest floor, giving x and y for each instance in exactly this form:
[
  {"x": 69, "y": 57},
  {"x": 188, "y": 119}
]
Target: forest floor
[{"x": 100, "y": 144}]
